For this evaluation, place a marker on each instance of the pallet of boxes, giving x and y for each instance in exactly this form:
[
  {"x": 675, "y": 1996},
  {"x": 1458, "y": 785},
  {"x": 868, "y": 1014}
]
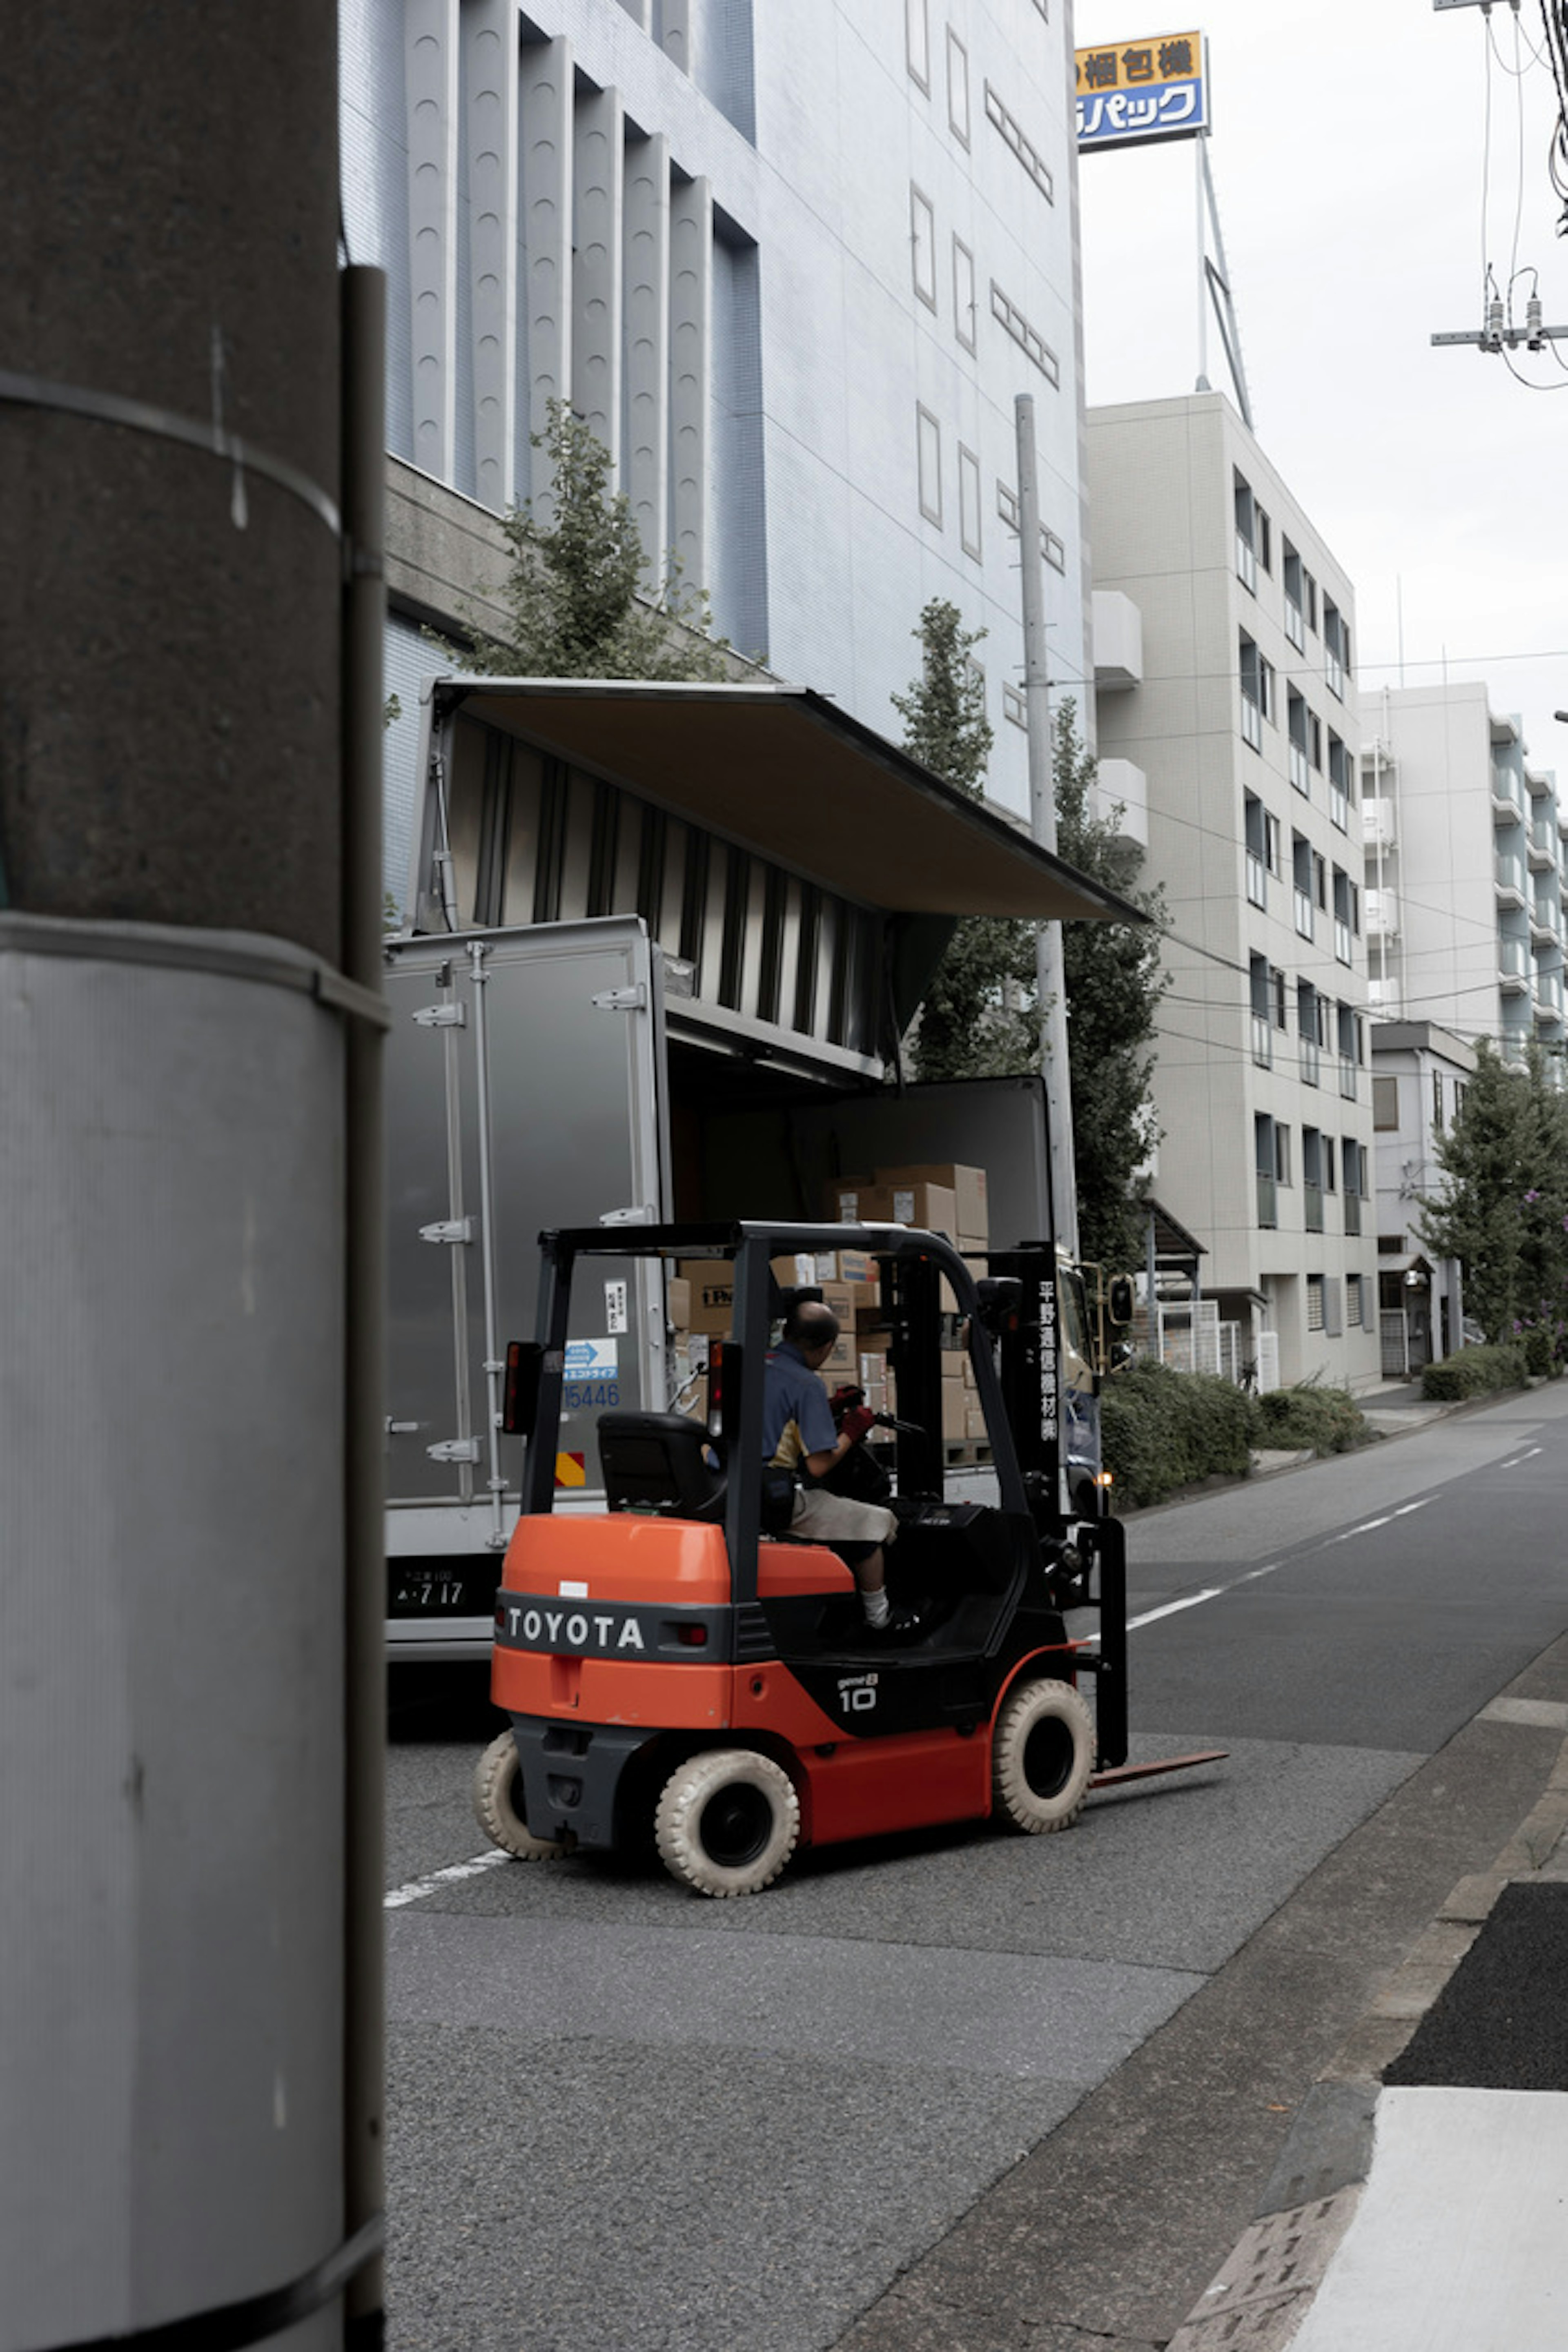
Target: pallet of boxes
[{"x": 944, "y": 1198}]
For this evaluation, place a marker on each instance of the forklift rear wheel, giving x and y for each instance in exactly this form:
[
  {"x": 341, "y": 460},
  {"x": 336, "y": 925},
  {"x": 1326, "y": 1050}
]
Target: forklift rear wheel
[
  {"x": 727, "y": 1821},
  {"x": 1041, "y": 1757},
  {"x": 498, "y": 1802}
]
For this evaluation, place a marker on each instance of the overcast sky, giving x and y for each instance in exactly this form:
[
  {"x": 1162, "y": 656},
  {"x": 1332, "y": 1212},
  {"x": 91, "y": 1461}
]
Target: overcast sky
[{"x": 1349, "y": 155}]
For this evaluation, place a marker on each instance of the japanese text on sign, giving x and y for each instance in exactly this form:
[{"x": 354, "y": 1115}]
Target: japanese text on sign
[{"x": 1142, "y": 89}]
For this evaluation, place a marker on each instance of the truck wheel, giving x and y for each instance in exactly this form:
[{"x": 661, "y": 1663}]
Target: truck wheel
[
  {"x": 1041, "y": 1757},
  {"x": 498, "y": 1804},
  {"x": 727, "y": 1821}
]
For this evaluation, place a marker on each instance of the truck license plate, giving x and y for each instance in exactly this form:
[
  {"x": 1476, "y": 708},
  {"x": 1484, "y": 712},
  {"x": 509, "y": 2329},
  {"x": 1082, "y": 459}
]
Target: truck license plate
[{"x": 428, "y": 1588}]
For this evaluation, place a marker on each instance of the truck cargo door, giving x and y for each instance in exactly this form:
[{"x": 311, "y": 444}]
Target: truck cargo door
[{"x": 544, "y": 1045}]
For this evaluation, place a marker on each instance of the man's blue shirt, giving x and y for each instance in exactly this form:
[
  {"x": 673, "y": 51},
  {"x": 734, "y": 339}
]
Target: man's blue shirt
[{"x": 797, "y": 1418}]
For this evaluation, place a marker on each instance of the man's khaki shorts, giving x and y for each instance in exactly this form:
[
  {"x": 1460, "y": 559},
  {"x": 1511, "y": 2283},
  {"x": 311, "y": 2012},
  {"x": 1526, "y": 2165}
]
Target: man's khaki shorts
[{"x": 833, "y": 1519}]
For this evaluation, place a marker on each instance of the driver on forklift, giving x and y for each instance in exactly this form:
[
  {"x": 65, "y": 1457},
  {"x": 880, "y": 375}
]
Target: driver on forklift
[{"x": 798, "y": 1436}]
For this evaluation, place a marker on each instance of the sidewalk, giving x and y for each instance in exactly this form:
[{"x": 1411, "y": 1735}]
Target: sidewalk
[{"x": 1421, "y": 2201}]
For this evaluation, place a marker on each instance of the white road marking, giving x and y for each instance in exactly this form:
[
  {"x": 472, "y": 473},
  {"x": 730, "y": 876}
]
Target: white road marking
[
  {"x": 415, "y": 1889},
  {"x": 1406, "y": 1508},
  {"x": 1515, "y": 1459}
]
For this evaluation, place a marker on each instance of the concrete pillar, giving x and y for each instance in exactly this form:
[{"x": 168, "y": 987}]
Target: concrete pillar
[
  {"x": 546, "y": 115},
  {"x": 598, "y": 139},
  {"x": 645, "y": 472},
  {"x": 490, "y": 31},
  {"x": 431, "y": 53},
  {"x": 690, "y": 365}
]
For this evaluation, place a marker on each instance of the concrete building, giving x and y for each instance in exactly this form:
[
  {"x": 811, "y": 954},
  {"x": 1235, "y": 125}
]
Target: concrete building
[
  {"x": 794, "y": 264},
  {"x": 1419, "y": 1075},
  {"x": 1240, "y": 730},
  {"x": 1465, "y": 870}
]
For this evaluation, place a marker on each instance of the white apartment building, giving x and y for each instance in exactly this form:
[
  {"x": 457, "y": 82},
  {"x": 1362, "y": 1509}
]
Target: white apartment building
[
  {"x": 1419, "y": 1075},
  {"x": 1242, "y": 726},
  {"x": 794, "y": 263},
  {"x": 1465, "y": 870}
]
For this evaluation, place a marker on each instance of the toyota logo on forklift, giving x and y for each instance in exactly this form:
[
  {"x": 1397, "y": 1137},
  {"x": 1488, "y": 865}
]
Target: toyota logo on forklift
[{"x": 723, "y": 1686}]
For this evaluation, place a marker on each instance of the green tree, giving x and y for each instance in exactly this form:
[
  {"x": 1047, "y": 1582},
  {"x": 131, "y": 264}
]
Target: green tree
[
  {"x": 1113, "y": 984},
  {"x": 977, "y": 1019},
  {"x": 573, "y": 592},
  {"x": 1503, "y": 1208}
]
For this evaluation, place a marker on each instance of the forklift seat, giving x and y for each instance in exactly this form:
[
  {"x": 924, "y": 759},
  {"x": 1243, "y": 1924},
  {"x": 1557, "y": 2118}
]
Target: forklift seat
[{"x": 657, "y": 1462}]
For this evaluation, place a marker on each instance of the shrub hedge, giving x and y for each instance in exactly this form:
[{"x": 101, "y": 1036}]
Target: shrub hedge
[
  {"x": 1328, "y": 1419},
  {"x": 1163, "y": 1429},
  {"x": 1475, "y": 1371}
]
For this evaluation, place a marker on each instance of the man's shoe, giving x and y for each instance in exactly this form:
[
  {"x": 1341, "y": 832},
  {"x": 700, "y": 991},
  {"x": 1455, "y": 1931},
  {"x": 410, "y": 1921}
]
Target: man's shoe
[{"x": 903, "y": 1627}]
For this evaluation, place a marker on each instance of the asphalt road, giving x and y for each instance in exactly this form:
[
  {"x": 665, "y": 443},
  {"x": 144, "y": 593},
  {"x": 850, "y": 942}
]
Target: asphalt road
[{"x": 968, "y": 2090}]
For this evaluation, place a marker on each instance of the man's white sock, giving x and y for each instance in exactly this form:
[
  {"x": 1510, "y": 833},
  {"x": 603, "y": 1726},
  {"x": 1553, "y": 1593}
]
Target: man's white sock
[{"x": 876, "y": 1607}]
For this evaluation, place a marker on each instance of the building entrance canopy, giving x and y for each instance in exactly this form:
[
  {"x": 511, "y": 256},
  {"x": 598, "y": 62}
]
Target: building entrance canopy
[{"x": 782, "y": 773}]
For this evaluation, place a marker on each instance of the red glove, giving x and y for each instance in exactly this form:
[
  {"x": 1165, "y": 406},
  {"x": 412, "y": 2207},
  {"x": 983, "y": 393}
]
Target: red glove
[
  {"x": 856, "y": 1421},
  {"x": 843, "y": 1398}
]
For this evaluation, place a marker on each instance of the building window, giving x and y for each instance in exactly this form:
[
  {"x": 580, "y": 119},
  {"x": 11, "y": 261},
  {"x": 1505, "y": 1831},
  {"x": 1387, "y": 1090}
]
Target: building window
[
  {"x": 1245, "y": 535},
  {"x": 1437, "y": 1102},
  {"x": 917, "y": 42},
  {"x": 1341, "y": 783},
  {"x": 1314, "y": 1302},
  {"x": 1353, "y": 1301},
  {"x": 1385, "y": 1105},
  {"x": 1302, "y": 881},
  {"x": 1262, "y": 1012},
  {"x": 922, "y": 246},
  {"x": 1032, "y": 344},
  {"x": 1253, "y": 824},
  {"x": 968, "y": 500},
  {"x": 1257, "y": 691},
  {"x": 1336, "y": 647},
  {"x": 1022, "y": 147},
  {"x": 1312, "y": 1180},
  {"x": 964, "y": 293},
  {"x": 1297, "y": 729},
  {"x": 1263, "y": 1143},
  {"x": 957, "y": 88},
  {"x": 1308, "y": 1030},
  {"x": 1281, "y": 998},
  {"x": 928, "y": 437}
]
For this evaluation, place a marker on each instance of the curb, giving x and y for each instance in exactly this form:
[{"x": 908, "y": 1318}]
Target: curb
[{"x": 1259, "y": 2296}]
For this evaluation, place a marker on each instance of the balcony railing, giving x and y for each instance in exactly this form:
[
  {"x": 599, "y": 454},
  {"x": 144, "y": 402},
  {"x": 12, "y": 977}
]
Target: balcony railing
[
  {"x": 1300, "y": 776},
  {"x": 1304, "y": 913},
  {"x": 1263, "y": 1041},
  {"x": 1341, "y": 941},
  {"x": 1312, "y": 1206},
  {"x": 1508, "y": 876},
  {"x": 1352, "y": 1212},
  {"x": 1246, "y": 564},
  {"x": 1251, "y": 723},
  {"x": 1382, "y": 915},
  {"x": 1347, "y": 1078},
  {"x": 1257, "y": 880},
  {"x": 1310, "y": 1062},
  {"x": 1378, "y": 830},
  {"x": 1267, "y": 1202}
]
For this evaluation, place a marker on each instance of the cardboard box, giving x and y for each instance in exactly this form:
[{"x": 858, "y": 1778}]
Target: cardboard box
[
  {"x": 841, "y": 1199},
  {"x": 953, "y": 1362},
  {"x": 677, "y": 1302},
  {"x": 867, "y": 1299},
  {"x": 967, "y": 1185},
  {"x": 954, "y": 1411},
  {"x": 916, "y": 1202},
  {"x": 796, "y": 1272},
  {"x": 839, "y": 1298},
  {"x": 712, "y": 1281},
  {"x": 854, "y": 1267},
  {"x": 975, "y": 1425}
]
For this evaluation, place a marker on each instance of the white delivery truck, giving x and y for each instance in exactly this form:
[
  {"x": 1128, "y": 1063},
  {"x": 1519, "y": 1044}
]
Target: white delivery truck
[{"x": 664, "y": 943}]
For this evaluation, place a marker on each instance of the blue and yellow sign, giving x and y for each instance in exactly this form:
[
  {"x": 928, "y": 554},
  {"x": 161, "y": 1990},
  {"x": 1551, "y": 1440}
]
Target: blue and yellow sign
[{"x": 1137, "y": 90}]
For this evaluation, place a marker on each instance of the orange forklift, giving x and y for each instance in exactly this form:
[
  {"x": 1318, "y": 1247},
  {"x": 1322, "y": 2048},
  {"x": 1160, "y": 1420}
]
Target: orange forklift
[{"x": 678, "y": 1668}]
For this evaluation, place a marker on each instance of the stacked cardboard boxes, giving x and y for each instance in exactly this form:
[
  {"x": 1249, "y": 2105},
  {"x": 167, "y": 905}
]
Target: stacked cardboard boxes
[{"x": 943, "y": 1197}]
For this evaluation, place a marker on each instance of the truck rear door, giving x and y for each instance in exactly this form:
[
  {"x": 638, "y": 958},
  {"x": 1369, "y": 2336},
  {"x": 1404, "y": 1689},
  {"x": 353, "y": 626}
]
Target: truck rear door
[{"x": 523, "y": 1091}]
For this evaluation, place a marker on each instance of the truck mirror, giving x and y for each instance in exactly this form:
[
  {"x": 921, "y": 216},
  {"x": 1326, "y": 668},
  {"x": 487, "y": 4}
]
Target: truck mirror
[
  {"x": 1119, "y": 1298},
  {"x": 1001, "y": 1297},
  {"x": 520, "y": 1392}
]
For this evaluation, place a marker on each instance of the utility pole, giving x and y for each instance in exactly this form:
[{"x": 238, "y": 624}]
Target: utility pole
[
  {"x": 1048, "y": 972},
  {"x": 190, "y": 1728}
]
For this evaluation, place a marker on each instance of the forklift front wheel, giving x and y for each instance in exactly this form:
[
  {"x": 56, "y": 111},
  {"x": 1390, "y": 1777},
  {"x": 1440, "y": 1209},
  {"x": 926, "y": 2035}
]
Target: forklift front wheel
[
  {"x": 1041, "y": 1757},
  {"x": 498, "y": 1804},
  {"x": 727, "y": 1821}
]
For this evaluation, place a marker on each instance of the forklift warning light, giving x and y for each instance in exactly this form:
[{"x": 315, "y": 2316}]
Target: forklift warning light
[
  {"x": 694, "y": 1636},
  {"x": 1105, "y": 1477}
]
